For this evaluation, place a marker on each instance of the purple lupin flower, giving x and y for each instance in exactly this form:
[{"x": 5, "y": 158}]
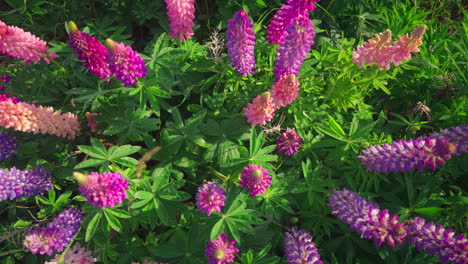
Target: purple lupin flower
[
  {"x": 4, "y": 78},
  {"x": 15, "y": 184},
  {"x": 89, "y": 50},
  {"x": 366, "y": 218},
  {"x": 299, "y": 247},
  {"x": 289, "y": 142},
  {"x": 8, "y": 146},
  {"x": 220, "y": 250},
  {"x": 57, "y": 235},
  {"x": 406, "y": 155},
  {"x": 241, "y": 43},
  {"x": 101, "y": 190},
  {"x": 438, "y": 241},
  {"x": 124, "y": 63},
  {"x": 294, "y": 49},
  {"x": 286, "y": 16},
  {"x": 210, "y": 198},
  {"x": 455, "y": 135},
  {"x": 256, "y": 179}
]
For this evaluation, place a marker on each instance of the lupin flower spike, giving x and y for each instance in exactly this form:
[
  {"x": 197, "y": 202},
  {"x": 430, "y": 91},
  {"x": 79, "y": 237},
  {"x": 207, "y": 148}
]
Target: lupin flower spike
[
  {"x": 8, "y": 146},
  {"x": 241, "y": 43},
  {"x": 261, "y": 110},
  {"x": 366, "y": 218},
  {"x": 256, "y": 179},
  {"x": 210, "y": 197},
  {"x": 181, "y": 14},
  {"x": 299, "y": 247},
  {"x": 289, "y": 142},
  {"x": 455, "y": 135},
  {"x": 75, "y": 254},
  {"x": 285, "y": 90},
  {"x": 220, "y": 250},
  {"x": 16, "y": 184}
]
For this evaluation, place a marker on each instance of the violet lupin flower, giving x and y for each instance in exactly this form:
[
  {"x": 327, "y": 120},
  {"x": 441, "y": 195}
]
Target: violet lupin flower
[
  {"x": 210, "y": 198},
  {"x": 101, "y": 190},
  {"x": 16, "y": 184},
  {"x": 256, "y": 179},
  {"x": 299, "y": 247},
  {"x": 181, "y": 14},
  {"x": 124, "y": 63},
  {"x": 220, "y": 250},
  {"x": 366, "y": 218},
  {"x": 293, "y": 51},
  {"x": 286, "y": 16},
  {"x": 407, "y": 155},
  {"x": 455, "y": 135},
  {"x": 8, "y": 146},
  {"x": 289, "y": 142},
  {"x": 89, "y": 50},
  {"x": 241, "y": 43},
  {"x": 438, "y": 241},
  {"x": 57, "y": 235}
]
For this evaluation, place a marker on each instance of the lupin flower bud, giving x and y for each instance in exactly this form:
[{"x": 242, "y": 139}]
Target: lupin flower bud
[{"x": 241, "y": 43}]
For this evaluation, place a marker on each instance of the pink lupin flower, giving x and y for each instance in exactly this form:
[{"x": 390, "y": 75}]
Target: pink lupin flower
[
  {"x": 17, "y": 43},
  {"x": 220, "y": 250},
  {"x": 285, "y": 90},
  {"x": 402, "y": 49},
  {"x": 124, "y": 63},
  {"x": 261, "y": 110},
  {"x": 376, "y": 50},
  {"x": 26, "y": 117},
  {"x": 75, "y": 254},
  {"x": 256, "y": 179},
  {"x": 181, "y": 14},
  {"x": 210, "y": 197},
  {"x": 89, "y": 50}
]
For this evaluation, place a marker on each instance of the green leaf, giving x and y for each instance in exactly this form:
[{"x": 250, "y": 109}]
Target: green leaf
[
  {"x": 92, "y": 226},
  {"x": 112, "y": 220},
  {"x": 93, "y": 152},
  {"x": 119, "y": 213},
  {"x": 89, "y": 163},
  {"x": 429, "y": 210},
  {"x": 217, "y": 229},
  {"x": 126, "y": 161},
  {"x": 124, "y": 150},
  {"x": 143, "y": 195}
]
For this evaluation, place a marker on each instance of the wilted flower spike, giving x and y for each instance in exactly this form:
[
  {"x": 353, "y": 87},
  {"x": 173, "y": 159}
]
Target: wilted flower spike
[
  {"x": 299, "y": 247},
  {"x": 16, "y": 184},
  {"x": 57, "y": 235},
  {"x": 261, "y": 110},
  {"x": 256, "y": 179},
  {"x": 366, "y": 218},
  {"x": 438, "y": 241},
  {"x": 101, "y": 190},
  {"x": 220, "y": 250},
  {"x": 240, "y": 43},
  {"x": 75, "y": 255},
  {"x": 455, "y": 135},
  {"x": 26, "y": 117},
  {"x": 181, "y": 14},
  {"x": 17, "y": 43},
  {"x": 285, "y": 90},
  {"x": 407, "y": 155},
  {"x": 89, "y": 50},
  {"x": 289, "y": 142},
  {"x": 287, "y": 15},
  {"x": 8, "y": 146},
  {"x": 293, "y": 51},
  {"x": 124, "y": 63},
  {"x": 210, "y": 198}
]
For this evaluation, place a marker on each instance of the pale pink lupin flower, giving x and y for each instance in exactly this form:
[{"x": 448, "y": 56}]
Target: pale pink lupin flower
[
  {"x": 17, "y": 43},
  {"x": 26, "y": 117},
  {"x": 285, "y": 90},
  {"x": 261, "y": 110},
  {"x": 376, "y": 50},
  {"x": 181, "y": 14},
  {"x": 75, "y": 255},
  {"x": 402, "y": 49}
]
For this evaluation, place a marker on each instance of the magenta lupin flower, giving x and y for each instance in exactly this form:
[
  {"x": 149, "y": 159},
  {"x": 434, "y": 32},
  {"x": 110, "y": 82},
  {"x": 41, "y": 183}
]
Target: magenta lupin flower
[
  {"x": 181, "y": 14},
  {"x": 293, "y": 51},
  {"x": 455, "y": 135},
  {"x": 285, "y": 90},
  {"x": 124, "y": 63},
  {"x": 256, "y": 179},
  {"x": 89, "y": 50},
  {"x": 407, "y": 155},
  {"x": 261, "y": 110},
  {"x": 438, "y": 241},
  {"x": 101, "y": 190},
  {"x": 4, "y": 78},
  {"x": 75, "y": 255},
  {"x": 299, "y": 247},
  {"x": 210, "y": 198},
  {"x": 8, "y": 146},
  {"x": 16, "y": 184},
  {"x": 57, "y": 235},
  {"x": 17, "y": 43},
  {"x": 287, "y": 15},
  {"x": 220, "y": 250},
  {"x": 240, "y": 39},
  {"x": 289, "y": 142},
  {"x": 366, "y": 218}
]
